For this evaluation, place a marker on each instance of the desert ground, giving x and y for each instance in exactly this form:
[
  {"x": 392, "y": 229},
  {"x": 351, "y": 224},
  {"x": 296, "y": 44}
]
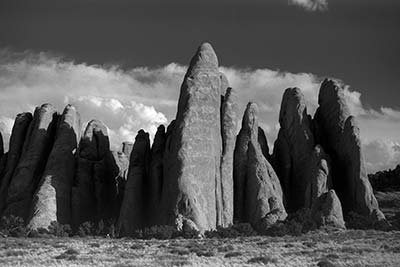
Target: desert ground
[{"x": 342, "y": 248}]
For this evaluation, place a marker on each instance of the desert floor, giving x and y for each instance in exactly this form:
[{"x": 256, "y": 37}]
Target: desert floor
[{"x": 344, "y": 248}]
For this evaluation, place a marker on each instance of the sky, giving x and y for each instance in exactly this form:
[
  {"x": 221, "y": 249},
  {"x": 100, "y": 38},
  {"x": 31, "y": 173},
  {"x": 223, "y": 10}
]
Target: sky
[{"x": 123, "y": 61}]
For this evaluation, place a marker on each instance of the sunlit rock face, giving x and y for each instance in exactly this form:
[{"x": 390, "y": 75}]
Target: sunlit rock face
[{"x": 192, "y": 175}]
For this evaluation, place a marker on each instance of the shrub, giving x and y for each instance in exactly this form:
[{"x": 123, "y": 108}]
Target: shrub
[
  {"x": 13, "y": 226},
  {"x": 296, "y": 224},
  {"x": 233, "y": 231},
  {"x": 59, "y": 230},
  {"x": 86, "y": 229},
  {"x": 159, "y": 232}
]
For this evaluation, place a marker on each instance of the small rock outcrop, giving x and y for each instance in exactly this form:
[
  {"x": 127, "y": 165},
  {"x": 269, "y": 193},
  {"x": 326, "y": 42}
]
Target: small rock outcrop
[
  {"x": 52, "y": 201},
  {"x": 28, "y": 172},
  {"x": 258, "y": 193},
  {"x": 132, "y": 214},
  {"x": 320, "y": 177},
  {"x": 338, "y": 133},
  {"x": 294, "y": 148},
  {"x": 327, "y": 211},
  {"x": 192, "y": 175},
  {"x": 16, "y": 144}
]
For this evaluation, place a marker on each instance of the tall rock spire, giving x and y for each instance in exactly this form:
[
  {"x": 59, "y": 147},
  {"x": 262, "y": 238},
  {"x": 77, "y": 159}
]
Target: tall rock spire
[
  {"x": 258, "y": 193},
  {"x": 193, "y": 173},
  {"x": 338, "y": 133}
]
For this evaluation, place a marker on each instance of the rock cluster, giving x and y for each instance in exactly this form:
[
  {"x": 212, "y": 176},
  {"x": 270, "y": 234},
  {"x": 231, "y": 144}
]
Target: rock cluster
[{"x": 197, "y": 174}]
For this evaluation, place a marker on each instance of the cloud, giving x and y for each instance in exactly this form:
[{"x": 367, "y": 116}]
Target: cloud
[
  {"x": 381, "y": 155},
  {"x": 311, "y": 5},
  {"x": 128, "y": 100}
]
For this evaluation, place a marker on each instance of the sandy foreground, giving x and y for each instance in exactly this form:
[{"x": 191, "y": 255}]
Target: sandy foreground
[{"x": 345, "y": 248}]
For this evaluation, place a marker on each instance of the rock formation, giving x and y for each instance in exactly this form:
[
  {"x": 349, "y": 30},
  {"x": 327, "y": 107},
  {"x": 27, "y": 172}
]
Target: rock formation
[
  {"x": 16, "y": 143},
  {"x": 327, "y": 211},
  {"x": 154, "y": 184},
  {"x": 52, "y": 201},
  {"x": 28, "y": 172},
  {"x": 229, "y": 123},
  {"x": 320, "y": 180},
  {"x": 198, "y": 175},
  {"x": 294, "y": 148},
  {"x": 122, "y": 163},
  {"x": 338, "y": 133},
  {"x": 192, "y": 176},
  {"x": 132, "y": 215},
  {"x": 258, "y": 193},
  {"x": 94, "y": 191}
]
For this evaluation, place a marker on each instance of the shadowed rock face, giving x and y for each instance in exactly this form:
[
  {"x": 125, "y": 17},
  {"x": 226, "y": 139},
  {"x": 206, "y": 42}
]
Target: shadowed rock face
[
  {"x": 339, "y": 135},
  {"x": 229, "y": 123},
  {"x": 52, "y": 201},
  {"x": 132, "y": 215},
  {"x": 28, "y": 172},
  {"x": 293, "y": 149},
  {"x": 258, "y": 193},
  {"x": 193, "y": 173},
  {"x": 154, "y": 184},
  {"x": 17, "y": 139},
  {"x": 94, "y": 191}
]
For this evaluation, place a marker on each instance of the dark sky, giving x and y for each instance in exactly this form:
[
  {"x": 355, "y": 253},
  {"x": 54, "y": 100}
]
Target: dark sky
[{"x": 355, "y": 40}]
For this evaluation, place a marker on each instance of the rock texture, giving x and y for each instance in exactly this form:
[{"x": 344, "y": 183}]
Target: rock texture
[
  {"x": 327, "y": 211},
  {"x": 16, "y": 143},
  {"x": 132, "y": 215},
  {"x": 193, "y": 173},
  {"x": 229, "y": 124},
  {"x": 52, "y": 201},
  {"x": 28, "y": 172},
  {"x": 320, "y": 177},
  {"x": 294, "y": 148},
  {"x": 258, "y": 193},
  {"x": 94, "y": 191},
  {"x": 338, "y": 133}
]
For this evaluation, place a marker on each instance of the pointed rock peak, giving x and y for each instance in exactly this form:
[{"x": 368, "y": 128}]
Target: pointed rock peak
[
  {"x": 47, "y": 106},
  {"x": 95, "y": 126},
  {"x": 142, "y": 135},
  {"x": 293, "y": 102},
  {"x": 330, "y": 90},
  {"x": 205, "y": 58},
  {"x": 249, "y": 120},
  {"x": 160, "y": 129}
]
